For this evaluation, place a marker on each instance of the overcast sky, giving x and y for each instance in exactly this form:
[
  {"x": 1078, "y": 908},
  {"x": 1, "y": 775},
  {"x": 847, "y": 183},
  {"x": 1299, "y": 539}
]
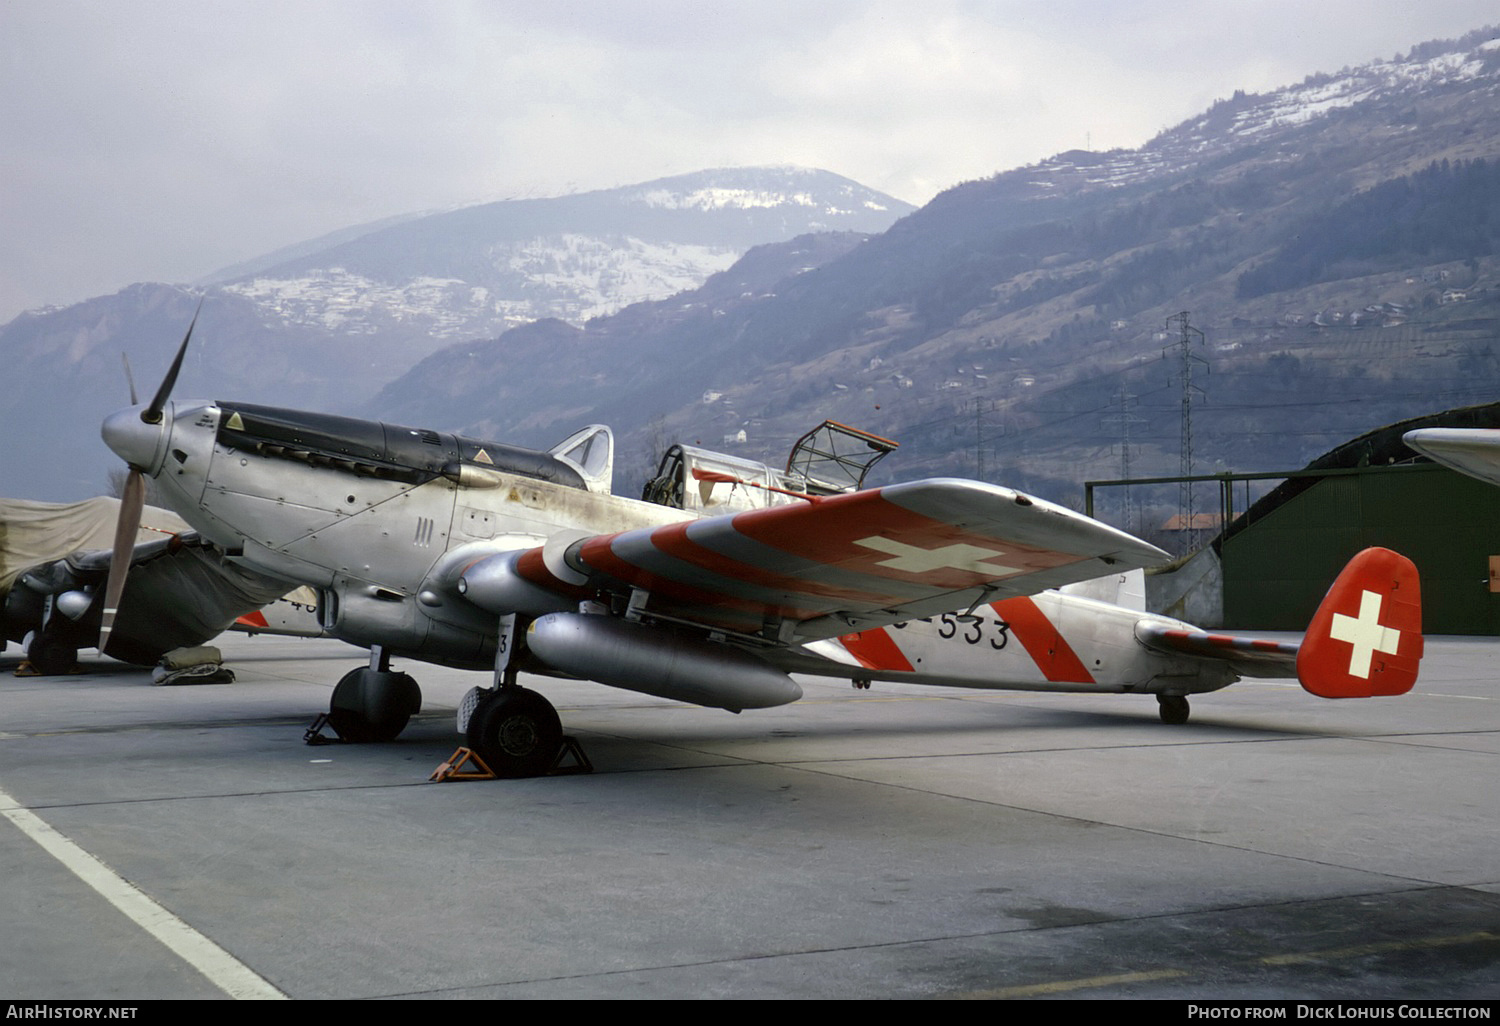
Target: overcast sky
[{"x": 159, "y": 141}]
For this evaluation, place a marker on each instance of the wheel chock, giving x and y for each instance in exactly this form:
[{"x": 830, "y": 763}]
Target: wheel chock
[
  {"x": 453, "y": 769},
  {"x": 27, "y": 669},
  {"x": 570, "y": 747},
  {"x": 314, "y": 735}
]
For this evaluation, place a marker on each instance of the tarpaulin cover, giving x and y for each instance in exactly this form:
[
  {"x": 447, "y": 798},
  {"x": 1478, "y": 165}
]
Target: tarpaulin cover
[
  {"x": 180, "y": 591},
  {"x": 32, "y": 533}
]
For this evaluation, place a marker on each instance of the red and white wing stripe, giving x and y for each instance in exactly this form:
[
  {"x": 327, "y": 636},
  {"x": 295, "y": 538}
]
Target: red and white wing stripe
[{"x": 857, "y": 560}]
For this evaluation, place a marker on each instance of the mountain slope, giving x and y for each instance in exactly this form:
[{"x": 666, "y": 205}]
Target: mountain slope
[
  {"x": 480, "y": 270},
  {"x": 991, "y": 331},
  {"x": 326, "y": 323}
]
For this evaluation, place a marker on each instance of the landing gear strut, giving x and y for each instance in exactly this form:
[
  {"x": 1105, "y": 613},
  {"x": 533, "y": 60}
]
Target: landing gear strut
[
  {"x": 373, "y": 703},
  {"x": 515, "y": 731},
  {"x": 1173, "y": 708}
]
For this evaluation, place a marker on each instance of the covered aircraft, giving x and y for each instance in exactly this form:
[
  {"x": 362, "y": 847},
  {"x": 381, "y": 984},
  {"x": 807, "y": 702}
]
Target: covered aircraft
[
  {"x": 728, "y": 576},
  {"x": 54, "y": 561}
]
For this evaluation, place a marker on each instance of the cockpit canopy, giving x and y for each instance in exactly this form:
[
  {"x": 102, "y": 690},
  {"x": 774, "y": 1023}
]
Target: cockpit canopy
[
  {"x": 828, "y": 460},
  {"x": 591, "y": 452},
  {"x": 370, "y": 448}
]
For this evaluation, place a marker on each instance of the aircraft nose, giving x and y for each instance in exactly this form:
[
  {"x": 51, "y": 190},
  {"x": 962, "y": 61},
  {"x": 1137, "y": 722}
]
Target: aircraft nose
[{"x": 138, "y": 443}]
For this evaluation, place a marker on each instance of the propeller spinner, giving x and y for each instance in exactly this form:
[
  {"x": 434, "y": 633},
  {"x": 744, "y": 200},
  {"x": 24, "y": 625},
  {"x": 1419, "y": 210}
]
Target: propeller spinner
[{"x": 138, "y": 435}]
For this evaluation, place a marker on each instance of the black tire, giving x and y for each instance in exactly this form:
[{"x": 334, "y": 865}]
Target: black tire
[
  {"x": 516, "y": 732},
  {"x": 50, "y": 657},
  {"x": 1173, "y": 709},
  {"x": 369, "y": 705}
]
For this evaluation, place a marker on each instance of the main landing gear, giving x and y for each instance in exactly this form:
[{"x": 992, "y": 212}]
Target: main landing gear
[
  {"x": 373, "y": 703},
  {"x": 1173, "y": 708},
  {"x": 515, "y": 731}
]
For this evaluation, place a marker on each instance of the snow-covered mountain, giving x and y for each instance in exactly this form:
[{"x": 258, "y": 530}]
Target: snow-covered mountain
[
  {"x": 478, "y": 271},
  {"x": 1380, "y": 93}
]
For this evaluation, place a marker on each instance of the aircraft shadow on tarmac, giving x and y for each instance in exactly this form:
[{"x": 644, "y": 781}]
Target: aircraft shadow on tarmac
[{"x": 1135, "y": 724}]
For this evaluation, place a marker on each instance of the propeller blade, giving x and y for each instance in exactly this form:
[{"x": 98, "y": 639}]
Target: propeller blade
[
  {"x": 126, "y": 527},
  {"x": 129, "y": 379},
  {"x": 152, "y": 413}
]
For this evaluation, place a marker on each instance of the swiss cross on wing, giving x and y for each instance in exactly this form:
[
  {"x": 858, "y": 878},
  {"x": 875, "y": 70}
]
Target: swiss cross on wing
[
  {"x": 944, "y": 535},
  {"x": 914, "y": 559}
]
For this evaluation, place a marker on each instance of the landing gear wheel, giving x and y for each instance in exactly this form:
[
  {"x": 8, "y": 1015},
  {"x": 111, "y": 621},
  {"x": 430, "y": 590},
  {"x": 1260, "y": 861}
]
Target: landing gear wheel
[
  {"x": 1173, "y": 708},
  {"x": 516, "y": 732},
  {"x": 50, "y": 657},
  {"x": 373, "y": 705}
]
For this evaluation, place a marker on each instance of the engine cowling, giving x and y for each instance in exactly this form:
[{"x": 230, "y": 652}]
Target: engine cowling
[{"x": 495, "y": 585}]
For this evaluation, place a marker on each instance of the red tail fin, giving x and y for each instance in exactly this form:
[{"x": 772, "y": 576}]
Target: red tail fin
[{"x": 1366, "y": 637}]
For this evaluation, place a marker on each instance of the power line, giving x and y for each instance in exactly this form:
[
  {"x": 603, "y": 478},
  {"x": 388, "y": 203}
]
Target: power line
[
  {"x": 1184, "y": 347},
  {"x": 1125, "y": 418}
]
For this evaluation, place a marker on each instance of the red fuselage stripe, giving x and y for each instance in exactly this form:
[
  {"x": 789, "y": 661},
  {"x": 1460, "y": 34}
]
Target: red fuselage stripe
[
  {"x": 875, "y": 650},
  {"x": 1047, "y": 648}
]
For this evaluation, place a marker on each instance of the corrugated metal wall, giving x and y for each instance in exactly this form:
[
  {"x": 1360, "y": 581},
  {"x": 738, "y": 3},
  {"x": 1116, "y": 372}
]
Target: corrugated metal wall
[{"x": 1277, "y": 569}]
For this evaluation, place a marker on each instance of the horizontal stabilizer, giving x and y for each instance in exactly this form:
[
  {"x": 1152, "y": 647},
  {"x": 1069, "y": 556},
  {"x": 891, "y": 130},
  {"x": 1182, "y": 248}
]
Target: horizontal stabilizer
[
  {"x": 1366, "y": 637},
  {"x": 1248, "y": 657}
]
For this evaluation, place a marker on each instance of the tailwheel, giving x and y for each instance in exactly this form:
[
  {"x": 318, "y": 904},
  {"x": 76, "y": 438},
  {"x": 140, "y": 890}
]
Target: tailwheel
[
  {"x": 516, "y": 732},
  {"x": 1173, "y": 708},
  {"x": 373, "y": 705}
]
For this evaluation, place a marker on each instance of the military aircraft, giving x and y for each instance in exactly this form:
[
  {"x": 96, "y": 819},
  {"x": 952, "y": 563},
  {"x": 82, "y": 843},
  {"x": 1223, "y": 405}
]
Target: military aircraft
[{"x": 725, "y": 579}]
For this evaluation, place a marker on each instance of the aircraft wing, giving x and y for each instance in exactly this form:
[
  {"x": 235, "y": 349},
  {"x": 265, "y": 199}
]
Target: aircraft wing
[
  {"x": 824, "y": 566},
  {"x": 1472, "y": 451}
]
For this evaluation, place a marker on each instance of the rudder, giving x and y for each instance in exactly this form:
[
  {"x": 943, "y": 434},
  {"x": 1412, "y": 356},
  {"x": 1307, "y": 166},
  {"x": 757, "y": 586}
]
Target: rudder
[{"x": 1366, "y": 637}]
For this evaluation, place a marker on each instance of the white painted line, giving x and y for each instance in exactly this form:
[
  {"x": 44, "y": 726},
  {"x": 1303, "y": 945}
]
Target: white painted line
[
  {"x": 221, "y": 968},
  {"x": 1063, "y": 986}
]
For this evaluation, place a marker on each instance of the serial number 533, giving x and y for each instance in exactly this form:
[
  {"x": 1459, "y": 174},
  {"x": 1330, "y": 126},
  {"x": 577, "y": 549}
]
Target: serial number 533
[{"x": 972, "y": 629}]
